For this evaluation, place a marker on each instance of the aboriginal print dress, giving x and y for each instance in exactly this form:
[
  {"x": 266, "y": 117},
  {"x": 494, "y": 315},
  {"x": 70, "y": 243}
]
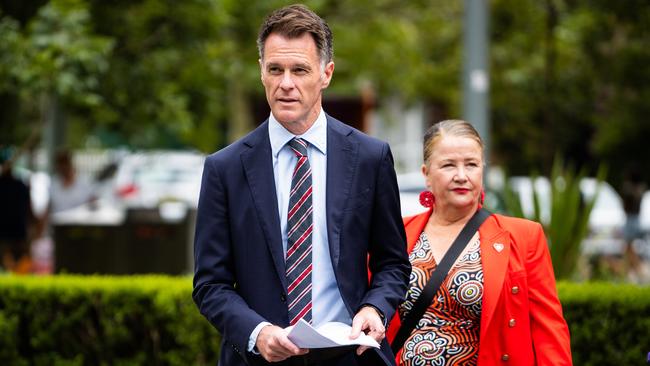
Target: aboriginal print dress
[{"x": 448, "y": 333}]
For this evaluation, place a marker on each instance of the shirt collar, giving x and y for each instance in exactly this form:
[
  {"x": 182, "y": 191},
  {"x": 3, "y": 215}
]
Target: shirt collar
[{"x": 316, "y": 135}]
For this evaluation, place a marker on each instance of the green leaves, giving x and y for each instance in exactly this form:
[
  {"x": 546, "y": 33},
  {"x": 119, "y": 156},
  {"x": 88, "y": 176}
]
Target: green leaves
[
  {"x": 151, "y": 320},
  {"x": 608, "y": 322},
  {"x": 93, "y": 320},
  {"x": 567, "y": 222},
  {"x": 61, "y": 55}
]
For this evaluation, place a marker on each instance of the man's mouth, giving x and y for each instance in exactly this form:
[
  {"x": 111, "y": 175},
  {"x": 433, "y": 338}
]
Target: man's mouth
[{"x": 287, "y": 100}]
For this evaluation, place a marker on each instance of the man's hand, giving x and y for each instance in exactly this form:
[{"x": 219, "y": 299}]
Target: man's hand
[
  {"x": 274, "y": 346},
  {"x": 368, "y": 321}
]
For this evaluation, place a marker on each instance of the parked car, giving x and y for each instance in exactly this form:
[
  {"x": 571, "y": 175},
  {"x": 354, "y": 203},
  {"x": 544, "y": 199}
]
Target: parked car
[
  {"x": 410, "y": 185},
  {"x": 643, "y": 247},
  {"x": 166, "y": 181},
  {"x": 148, "y": 179},
  {"x": 644, "y": 214},
  {"x": 606, "y": 221}
]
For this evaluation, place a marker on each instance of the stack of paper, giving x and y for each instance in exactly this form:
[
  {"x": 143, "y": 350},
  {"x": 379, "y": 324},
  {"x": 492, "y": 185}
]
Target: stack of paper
[{"x": 333, "y": 334}]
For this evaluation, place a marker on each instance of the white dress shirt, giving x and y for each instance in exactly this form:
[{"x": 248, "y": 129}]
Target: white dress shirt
[{"x": 327, "y": 303}]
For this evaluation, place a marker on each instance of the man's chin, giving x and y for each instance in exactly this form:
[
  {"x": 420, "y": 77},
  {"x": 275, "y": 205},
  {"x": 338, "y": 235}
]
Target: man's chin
[{"x": 285, "y": 117}]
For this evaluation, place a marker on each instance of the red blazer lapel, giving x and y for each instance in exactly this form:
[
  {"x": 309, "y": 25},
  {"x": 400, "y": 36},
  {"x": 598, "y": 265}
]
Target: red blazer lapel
[
  {"x": 495, "y": 251},
  {"x": 414, "y": 225}
]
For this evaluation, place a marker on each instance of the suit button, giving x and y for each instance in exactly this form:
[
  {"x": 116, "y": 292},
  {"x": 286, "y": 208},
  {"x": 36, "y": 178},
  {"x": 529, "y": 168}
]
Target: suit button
[
  {"x": 515, "y": 290},
  {"x": 505, "y": 357},
  {"x": 512, "y": 323},
  {"x": 283, "y": 298}
]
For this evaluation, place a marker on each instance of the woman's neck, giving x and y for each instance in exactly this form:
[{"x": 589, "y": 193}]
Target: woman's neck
[{"x": 450, "y": 217}]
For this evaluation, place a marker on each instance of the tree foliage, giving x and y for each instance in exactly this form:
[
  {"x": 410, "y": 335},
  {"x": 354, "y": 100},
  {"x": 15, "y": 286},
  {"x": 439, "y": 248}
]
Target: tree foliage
[
  {"x": 567, "y": 76},
  {"x": 56, "y": 54}
]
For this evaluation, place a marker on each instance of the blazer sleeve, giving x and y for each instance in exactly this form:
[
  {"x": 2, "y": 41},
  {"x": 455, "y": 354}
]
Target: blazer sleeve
[
  {"x": 549, "y": 330},
  {"x": 388, "y": 261},
  {"x": 214, "y": 277}
]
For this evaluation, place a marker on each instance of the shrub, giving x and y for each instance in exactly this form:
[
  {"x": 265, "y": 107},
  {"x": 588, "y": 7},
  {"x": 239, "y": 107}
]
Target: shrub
[
  {"x": 151, "y": 320},
  {"x": 609, "y": 323},
  {"x": 75, "y": 320}
]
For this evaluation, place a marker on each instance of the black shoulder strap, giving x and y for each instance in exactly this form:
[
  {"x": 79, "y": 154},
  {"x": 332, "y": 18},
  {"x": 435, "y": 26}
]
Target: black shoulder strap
[{"x": 439, "y": 274}]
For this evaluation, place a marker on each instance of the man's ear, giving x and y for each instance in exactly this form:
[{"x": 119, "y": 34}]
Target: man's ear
[{"x": 327, "y": 74}]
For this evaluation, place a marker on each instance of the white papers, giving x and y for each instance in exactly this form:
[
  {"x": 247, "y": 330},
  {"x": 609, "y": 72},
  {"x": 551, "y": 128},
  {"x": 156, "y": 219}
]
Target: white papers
[{"x": 333, "y": 334}]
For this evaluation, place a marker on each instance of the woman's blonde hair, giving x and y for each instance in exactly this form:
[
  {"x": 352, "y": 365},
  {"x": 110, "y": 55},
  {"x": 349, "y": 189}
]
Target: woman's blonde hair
[{"x": 450, "y": 127}]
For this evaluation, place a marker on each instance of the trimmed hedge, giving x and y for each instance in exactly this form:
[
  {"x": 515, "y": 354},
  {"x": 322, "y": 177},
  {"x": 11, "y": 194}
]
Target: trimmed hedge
[
  {"x": 609, "y": 323},
  {"x": 76, "y": 320},
  {"x": 151, "y": 320}
]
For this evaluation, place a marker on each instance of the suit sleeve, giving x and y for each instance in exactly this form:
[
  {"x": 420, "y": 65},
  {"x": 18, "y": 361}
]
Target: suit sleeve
[
  {"x": 388, "y": 261},
  {"x": 550, "y": 333},
  {"x": 214, "y": 276}
]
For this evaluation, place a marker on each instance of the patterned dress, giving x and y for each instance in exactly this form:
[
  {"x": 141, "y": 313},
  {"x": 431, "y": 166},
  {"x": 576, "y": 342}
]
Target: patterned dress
[{"x": 448, "y": 333}]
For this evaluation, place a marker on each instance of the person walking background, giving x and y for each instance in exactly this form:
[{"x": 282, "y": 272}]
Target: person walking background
[
  {"x": 68, "y": 190},
  {"x": 16, "y": 218},
  {"x": 290, "y": 215}
]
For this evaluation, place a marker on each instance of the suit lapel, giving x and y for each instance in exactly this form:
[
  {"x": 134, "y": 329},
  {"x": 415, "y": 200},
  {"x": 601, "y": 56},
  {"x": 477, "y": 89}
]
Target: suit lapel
[
  {"x": 258, "y": 167},
  {"x": 495, "y": 252},
  {"x": 341, "y": 164}
]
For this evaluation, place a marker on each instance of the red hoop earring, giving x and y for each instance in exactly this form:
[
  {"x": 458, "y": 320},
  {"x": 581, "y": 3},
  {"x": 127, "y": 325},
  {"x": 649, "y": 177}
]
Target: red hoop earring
[
  {"x": 427, "y": 199},
  {"x": 481, "y": 200}
]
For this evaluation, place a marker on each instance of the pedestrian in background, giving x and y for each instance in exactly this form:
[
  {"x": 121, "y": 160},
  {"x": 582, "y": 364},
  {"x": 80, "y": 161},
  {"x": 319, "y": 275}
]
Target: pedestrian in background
[
  {"x": 16, "y": 217},
  {"x": 67, "y": 189}
]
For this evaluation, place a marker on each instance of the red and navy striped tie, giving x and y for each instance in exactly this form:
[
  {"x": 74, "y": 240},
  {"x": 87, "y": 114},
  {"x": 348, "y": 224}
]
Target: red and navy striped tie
[{"x": 299, "y": 236}]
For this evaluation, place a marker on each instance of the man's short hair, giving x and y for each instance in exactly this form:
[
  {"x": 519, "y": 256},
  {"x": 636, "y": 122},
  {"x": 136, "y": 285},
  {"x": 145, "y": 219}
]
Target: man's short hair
[{"x": 292, "y": 22}]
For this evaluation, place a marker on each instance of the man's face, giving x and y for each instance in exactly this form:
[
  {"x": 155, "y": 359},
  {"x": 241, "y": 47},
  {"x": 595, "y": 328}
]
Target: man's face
[{"x": 293, "y": 80}]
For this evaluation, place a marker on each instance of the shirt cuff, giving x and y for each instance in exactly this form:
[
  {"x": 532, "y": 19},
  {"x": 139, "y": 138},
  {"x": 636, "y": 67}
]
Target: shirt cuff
[{"x": 253, "y": 338}]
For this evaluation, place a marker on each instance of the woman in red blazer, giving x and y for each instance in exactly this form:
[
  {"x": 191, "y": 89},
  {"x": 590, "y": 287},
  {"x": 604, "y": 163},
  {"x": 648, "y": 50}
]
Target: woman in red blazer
[{"x": 498, "y": 303}]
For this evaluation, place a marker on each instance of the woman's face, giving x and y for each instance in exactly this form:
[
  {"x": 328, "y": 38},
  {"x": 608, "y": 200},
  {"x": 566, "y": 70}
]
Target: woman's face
[{"x": 455, "y": 172}]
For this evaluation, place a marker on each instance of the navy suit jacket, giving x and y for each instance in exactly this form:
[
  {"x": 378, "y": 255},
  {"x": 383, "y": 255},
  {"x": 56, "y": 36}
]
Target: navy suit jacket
[{"x": 239, "y": 278}]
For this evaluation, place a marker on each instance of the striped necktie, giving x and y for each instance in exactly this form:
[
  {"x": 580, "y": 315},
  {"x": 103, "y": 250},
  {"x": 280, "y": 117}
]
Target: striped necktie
[{"x": 299, "y": 236}]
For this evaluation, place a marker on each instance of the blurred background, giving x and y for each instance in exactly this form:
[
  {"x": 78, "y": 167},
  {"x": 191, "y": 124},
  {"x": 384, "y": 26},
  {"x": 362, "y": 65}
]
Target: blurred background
[{"x": 111, "y": 106}]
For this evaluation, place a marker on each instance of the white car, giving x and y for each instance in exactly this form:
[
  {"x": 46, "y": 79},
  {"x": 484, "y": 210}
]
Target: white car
[
  {"x": 643, "y": 246},
  {"x": 410, "y": 186},
  {"x": 644, "y": 213},
  {"x": 606, "y": 220},
  {"x": 149, "y": 179}
]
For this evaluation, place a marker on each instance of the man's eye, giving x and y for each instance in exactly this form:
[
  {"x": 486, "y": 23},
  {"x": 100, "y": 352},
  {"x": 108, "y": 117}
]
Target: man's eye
[
  {"x": 275, "y": 70},
  {"x": 300, "y": 71}
]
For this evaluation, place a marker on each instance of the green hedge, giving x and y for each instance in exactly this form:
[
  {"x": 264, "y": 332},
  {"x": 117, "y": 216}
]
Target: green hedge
[
  {"x": 609, "y": 323},
  {"x": 75, "y": 320},
  {"x": 151, "y": 320}
]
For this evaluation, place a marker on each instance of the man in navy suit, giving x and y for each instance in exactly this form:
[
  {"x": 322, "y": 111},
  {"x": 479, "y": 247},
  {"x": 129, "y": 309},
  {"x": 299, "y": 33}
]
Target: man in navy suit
[{"x": 293, "y": 215}]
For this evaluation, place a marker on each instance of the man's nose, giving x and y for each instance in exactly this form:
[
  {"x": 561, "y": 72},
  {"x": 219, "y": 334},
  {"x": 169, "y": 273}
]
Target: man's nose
[{"x": 287, "y": 80}]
